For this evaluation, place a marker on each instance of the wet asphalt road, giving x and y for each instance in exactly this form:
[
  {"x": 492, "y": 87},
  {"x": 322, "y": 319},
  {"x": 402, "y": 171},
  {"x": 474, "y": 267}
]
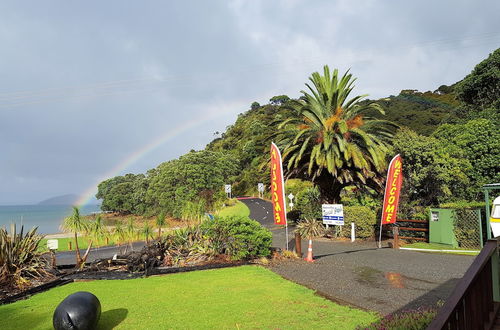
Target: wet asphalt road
[
  {"x": 384, "y": 280},
  {"x": 68, "y": 257}
]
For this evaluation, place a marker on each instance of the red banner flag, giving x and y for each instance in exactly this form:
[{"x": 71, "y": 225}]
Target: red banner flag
[
  {"x": 277, "y": 187},
  {"x": 392, "y": 189}
]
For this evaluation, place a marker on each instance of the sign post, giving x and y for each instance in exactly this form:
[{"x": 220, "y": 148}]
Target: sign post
[
  {"x": 53, "y": 245},
  {"x": 333, "y": 214},
  {"x": 290, "y": 197},
  {"x": 260, "y": 189},
  {"x": 391, "y": 196},
  {"x": 227, "y": 189}
]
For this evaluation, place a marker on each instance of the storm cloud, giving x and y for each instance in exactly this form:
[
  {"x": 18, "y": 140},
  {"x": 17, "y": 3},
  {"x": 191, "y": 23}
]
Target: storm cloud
[{"x": 83, "y": 86}]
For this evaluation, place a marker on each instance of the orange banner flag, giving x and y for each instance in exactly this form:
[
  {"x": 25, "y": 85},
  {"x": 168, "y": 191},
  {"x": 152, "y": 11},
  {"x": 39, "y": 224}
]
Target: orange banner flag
[
  {"x": 277, "y": 187},
  {"x": 392, "y": 190}
]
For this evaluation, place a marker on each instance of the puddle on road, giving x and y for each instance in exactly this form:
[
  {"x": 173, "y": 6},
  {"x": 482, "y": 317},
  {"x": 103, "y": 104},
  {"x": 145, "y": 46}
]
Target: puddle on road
[
  {"x": 377, "y": 278},
  {"x": 395, "y": 280}
]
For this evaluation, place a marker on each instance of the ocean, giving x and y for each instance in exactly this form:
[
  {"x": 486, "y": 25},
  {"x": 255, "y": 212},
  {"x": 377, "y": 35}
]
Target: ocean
[{"x": 48, "y": 218}]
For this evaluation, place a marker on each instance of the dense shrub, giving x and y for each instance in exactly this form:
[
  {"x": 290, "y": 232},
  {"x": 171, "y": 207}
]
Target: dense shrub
[
  {"x": 364, "y": 218},
  {"x": 238, "y": 237},
  {"x": 308, "y": 202}
]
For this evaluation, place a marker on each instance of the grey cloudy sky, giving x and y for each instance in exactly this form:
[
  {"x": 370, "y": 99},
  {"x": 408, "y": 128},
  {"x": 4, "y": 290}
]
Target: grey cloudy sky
[{"x": 86, "y": 86}]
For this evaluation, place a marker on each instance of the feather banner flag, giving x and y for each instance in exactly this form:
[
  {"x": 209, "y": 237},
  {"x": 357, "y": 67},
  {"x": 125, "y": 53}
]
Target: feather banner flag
[
  {"x": 392, "y": 190},
  {"x": 277, "y": 187}
]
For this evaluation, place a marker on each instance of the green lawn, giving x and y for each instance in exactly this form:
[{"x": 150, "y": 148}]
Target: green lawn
[
  {"x": 231, "y": 298},
  {"x": 63, "y": 243},
  {"x": 437, "y": 246},
  {"x": 238, "y": 209}
]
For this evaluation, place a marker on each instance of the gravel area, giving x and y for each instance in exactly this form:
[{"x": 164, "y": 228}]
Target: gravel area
[{"x": 384, "y": 280}]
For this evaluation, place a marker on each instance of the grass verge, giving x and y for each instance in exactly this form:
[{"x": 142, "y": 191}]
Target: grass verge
[
  {"x": 240, "y": 297},
  {"x": 63, "y": 243},
  {"x": 238, "y": 209},
  {"x": 437, "y": 246}
]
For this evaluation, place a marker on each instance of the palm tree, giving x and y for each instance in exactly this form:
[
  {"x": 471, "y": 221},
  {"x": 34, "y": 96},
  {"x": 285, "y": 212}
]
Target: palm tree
[
  {"x": 160, "y": 222},
  {"x": 98, "y": 231},
  {"x": 74, "y": 224},
  {"x": 119, "y": 234},
  {"x": 334, "y": 141},
  {"x": 130, "y": 231},
  {"x": 147, "y": 231},
  {"x": 310, "y": 228}
]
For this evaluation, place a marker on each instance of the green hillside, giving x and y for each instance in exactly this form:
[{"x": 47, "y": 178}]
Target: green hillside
[{"x": 449, "y": 140}]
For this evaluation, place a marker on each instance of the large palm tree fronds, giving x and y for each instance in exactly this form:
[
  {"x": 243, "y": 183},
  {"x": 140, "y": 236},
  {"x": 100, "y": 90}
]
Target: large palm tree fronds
[{"x": 334, "y": 140}]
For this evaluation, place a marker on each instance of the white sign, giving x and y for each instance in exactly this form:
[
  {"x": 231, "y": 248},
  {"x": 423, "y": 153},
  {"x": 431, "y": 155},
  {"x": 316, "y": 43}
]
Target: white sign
[
  {"x": 333, "y": 214},
  {"x": 227, "y": 188},
  {"x": 260, "y": 187},
  {"x": 291, "y": 196},
  {"x": 52, "y": 244}
]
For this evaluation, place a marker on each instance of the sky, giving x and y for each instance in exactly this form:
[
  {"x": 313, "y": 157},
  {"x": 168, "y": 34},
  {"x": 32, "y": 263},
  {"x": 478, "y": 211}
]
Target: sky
[{"x": 94, "y": 89}]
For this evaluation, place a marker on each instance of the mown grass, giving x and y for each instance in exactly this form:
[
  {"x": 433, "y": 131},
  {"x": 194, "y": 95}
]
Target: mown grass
[
  {"x": 238, "y": 209},
  {"x": 240, "y": 298},
  {"x": 437, "y": 246}
]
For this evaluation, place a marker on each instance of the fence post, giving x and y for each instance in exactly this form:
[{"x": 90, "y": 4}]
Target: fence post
[
  {"x": 480, "y": 227},
  {"x": 298, "y": 245},
  {"x": 395, "y": 233},
  {"x": 495, "y": 275}
]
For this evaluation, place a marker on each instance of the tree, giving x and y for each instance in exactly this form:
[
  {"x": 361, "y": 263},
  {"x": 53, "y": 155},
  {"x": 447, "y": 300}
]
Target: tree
[
  {"x": 130, "y": 231},
  {"x": 333, "y": 141},
  {"x": 160, "y": 222},
  {"x": 481, "y": 88},
  {"x": 255, "y": 105},
  {"x": 431, "y": 174},
  {"x": 279, "y": 99},
  {"x": 478, "y": 142},
  {"x": 147, "y": 231},
  {"x": 76, "y": 224}
]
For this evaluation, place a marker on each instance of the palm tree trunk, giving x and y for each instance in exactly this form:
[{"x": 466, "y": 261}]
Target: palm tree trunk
[
  {"x": 86, "y": 254},
  {"x": 329, "y": 188},
  {"x": 78, "y": 255}
]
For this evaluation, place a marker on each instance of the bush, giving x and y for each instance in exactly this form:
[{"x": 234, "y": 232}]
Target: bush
[
  {"x": 364, "y": 218},
  {"x": 308, "y": 202},
  {"x": 20, "y": 260},
  {"x": 238, "y": 237}
]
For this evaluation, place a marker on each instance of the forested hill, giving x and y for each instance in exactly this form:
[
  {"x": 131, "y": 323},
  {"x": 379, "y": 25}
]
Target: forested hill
[
  {"x": 449, "y": 138},
  {"x": 422, "y": 112}
]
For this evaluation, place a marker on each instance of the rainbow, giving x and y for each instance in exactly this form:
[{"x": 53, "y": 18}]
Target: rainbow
[{"x": 155, "y": 143}]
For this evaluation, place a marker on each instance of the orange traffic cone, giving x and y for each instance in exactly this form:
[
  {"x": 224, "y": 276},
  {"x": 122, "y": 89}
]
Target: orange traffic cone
[{"x": 310, "y": 252}]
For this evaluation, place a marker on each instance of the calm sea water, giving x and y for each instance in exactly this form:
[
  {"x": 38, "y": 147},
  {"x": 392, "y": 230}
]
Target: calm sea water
[{"x": 47, "y": 217}]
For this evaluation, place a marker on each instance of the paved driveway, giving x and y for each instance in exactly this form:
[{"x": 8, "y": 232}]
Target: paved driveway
[{"x": 384, "y": 280}]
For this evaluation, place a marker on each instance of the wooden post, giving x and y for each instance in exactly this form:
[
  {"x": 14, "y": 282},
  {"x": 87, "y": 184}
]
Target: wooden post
[
  {"x": 395, "y": 233},
  {"x": 298, "y": 246},
  {"x": 53, "y": 258},
  {"x": 69, "y": 246}
]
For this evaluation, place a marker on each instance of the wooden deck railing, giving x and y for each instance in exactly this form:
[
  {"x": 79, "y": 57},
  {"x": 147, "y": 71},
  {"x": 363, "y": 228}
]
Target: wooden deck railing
[{"x": 474, "y": 302}]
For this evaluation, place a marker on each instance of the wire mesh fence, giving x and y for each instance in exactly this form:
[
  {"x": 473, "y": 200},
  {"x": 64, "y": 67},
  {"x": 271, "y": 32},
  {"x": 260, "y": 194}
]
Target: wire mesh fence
[{"x": 467, "y": 229}]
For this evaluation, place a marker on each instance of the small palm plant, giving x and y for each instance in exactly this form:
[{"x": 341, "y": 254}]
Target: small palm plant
[
  {"x": 119, "y": 235},
  {"x": 97, "y": 230},
  {"x": 75, "y": 224},
  {"x": 130, "y": 231},
  {"x": 310, "y": 228},
  {"x": 147, "y": 231},
  {"x": 160, "y": 222}
]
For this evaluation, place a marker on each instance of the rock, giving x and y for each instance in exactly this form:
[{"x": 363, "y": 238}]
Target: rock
[{"x": 80, "y": 310}]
